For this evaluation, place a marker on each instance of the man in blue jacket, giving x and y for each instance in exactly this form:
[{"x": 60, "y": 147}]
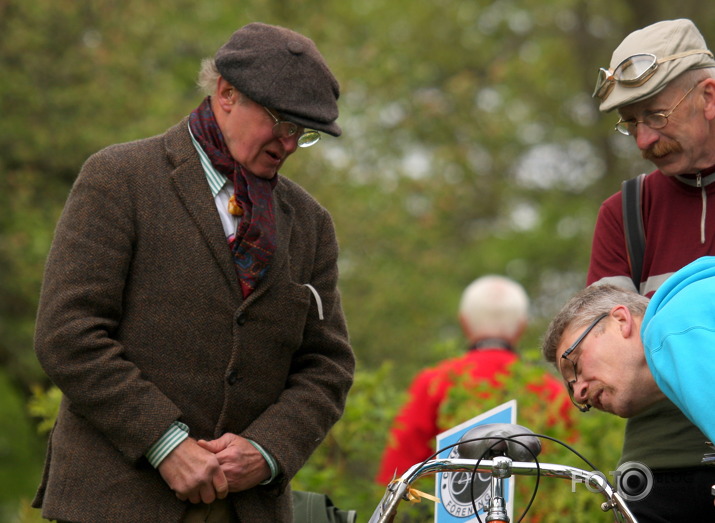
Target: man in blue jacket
[{"x": 619, "y": 352}]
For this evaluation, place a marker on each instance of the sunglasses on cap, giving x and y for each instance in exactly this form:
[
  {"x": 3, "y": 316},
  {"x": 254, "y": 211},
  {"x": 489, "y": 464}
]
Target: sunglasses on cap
[{"x": 634, "y": 71}]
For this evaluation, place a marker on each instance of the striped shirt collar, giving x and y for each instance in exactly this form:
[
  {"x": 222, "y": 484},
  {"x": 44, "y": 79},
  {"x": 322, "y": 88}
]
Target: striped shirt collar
[{"x": 215, "y": 179}]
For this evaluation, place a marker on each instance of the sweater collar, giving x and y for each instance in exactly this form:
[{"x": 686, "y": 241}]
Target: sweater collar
[
  {"x": 699, "y": 179},
  {"x": 491, "y": 343}
]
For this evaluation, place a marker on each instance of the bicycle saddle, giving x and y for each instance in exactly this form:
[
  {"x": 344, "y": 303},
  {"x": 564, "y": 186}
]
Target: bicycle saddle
[{"x": 493, "y": 442}]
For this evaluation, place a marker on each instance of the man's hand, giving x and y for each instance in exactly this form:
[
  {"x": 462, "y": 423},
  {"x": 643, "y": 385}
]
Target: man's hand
[
  {"x": 194, "y": 473},
  {"x": 240, "y": 461}
]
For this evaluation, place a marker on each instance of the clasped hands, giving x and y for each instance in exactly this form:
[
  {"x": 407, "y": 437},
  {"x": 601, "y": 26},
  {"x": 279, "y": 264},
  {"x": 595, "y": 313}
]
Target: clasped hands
[{"x": 203, "y": 471}]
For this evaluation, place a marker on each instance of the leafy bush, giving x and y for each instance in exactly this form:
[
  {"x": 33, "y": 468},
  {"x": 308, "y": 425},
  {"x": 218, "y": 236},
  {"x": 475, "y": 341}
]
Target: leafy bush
[
  {"x": 21, "y": 453},
  {"x": 44, "y": 405}
]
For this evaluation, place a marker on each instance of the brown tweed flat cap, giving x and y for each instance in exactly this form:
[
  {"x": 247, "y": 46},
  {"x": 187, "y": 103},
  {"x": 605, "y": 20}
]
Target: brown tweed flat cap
[{"x": 284, "y": 71}]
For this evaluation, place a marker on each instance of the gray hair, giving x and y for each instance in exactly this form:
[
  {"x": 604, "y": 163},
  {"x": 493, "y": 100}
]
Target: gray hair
[
  {"x": 692, "y": 77},
  {"x": 586, "y": 306},
  {"x": 208, "y": 76},
  {"x": 494, "y": 306}
]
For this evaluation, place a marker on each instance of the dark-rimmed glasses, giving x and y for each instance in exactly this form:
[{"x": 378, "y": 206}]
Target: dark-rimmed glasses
[
  {"x": 569, "y": 371},
  {"x": 654, "y": 120},
  {"x": 286, "y": 129},
  {"x": 634, "y": 71}
]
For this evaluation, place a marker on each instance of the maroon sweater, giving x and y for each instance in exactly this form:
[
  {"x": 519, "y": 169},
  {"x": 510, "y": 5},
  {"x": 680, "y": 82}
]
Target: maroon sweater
[{"x": 679, "y": 221}]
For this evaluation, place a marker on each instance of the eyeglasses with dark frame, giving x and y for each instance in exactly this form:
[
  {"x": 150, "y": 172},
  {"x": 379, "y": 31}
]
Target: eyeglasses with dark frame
[
  {"x": 654, "y": 120},
  {"x": 570, "y": 373},
  {"x": 286, "y": 129}
]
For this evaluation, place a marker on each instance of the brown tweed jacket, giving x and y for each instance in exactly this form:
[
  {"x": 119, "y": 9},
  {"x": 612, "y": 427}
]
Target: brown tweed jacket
[{"x": 141, "y": 322}]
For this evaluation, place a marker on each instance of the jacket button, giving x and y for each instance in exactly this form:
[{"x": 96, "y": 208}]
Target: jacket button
[
  {"x": 232, "y": 377},
  {"x": 241, "y": 318}
]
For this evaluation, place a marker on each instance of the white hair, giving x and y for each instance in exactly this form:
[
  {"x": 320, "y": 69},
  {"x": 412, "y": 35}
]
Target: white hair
[
  {"x": 494, "y": 306},
  {"x": 208, "y": 76}
]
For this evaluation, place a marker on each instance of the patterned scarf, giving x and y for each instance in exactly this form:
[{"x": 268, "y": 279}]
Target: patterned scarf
[{"x": 254, "y": 244}]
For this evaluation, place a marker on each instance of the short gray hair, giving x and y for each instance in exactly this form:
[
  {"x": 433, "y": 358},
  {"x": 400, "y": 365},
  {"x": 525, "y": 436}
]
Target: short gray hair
[
  {"x": 494, "y": 306},
  {"x": 208, "y": 76},
  {"x": 692, "y": 77},
  {"x": 586, "y": 306}
]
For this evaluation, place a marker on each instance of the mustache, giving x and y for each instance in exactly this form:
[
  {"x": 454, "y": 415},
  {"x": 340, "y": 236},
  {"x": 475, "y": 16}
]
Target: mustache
[{"x": 660, "y": 149}]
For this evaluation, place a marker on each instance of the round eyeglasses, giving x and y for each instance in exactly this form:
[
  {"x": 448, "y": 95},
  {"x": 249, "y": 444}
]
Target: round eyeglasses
[
  {"x": 569, "y": 371},
  {"x": 286, "y": 129},
  {"x": 653, "y": 120},
  {"x": 634, "y": 71}
]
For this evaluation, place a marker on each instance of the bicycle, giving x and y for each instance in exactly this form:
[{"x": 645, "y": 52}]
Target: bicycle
[{"x": 500, "y": 450}]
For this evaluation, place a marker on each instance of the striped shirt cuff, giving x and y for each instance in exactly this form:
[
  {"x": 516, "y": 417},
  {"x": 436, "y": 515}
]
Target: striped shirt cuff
[
  {"x": 272, "y": 464},
  {"x": 175, "y": 434}
]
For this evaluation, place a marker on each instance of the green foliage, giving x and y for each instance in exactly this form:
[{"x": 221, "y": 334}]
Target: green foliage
[
  {"x": 26, "y": 514},
  {"x": 21, "y": 452},
  {"x": 44, "y": 406}
]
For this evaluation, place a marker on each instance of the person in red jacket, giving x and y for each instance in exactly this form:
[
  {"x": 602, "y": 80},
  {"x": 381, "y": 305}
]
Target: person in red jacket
[{"x": 493, "y": 313}]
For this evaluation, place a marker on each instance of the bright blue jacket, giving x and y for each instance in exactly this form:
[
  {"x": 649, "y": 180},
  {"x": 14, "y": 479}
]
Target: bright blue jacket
[{"x": 678, "y": 334}]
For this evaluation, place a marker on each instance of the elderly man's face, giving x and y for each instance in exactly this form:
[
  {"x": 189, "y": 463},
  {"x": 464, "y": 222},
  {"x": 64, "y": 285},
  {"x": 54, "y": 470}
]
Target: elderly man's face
[
  {"x": 609, "y": 369},
  {"x": 684, "y": 145},
  {"x": 248, "y": 131}
]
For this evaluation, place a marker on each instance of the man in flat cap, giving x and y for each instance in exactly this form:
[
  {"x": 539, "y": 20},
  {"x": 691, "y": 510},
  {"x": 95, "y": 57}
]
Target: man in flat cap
[
  {"x": 661, "y": 81},
  {"x": 190, "y": 312}
]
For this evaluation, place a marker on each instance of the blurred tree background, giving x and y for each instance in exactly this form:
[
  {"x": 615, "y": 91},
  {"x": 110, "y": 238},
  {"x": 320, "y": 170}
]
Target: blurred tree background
[{"x": 471, "y": 145}]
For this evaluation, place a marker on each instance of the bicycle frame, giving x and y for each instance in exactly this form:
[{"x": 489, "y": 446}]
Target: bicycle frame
[{"x": 501, "y": 467}]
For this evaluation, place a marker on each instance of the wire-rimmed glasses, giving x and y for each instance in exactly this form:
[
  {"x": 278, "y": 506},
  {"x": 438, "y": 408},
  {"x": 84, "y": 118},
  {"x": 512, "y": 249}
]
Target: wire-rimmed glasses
[
  {"x": 286, "y": 129},
  {"x": 653, "y": 120}
]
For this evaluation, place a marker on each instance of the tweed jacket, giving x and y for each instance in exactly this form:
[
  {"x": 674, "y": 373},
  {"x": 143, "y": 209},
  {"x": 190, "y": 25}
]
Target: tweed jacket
[{"x": 141, "y": 322}]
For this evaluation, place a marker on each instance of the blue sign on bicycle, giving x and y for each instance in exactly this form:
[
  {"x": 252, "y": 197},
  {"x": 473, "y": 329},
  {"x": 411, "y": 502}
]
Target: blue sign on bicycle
[{"x": 456, "y": 490}]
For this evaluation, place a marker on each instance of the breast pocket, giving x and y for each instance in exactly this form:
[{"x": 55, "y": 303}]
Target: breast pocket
[{"x": 286, "y": 314}]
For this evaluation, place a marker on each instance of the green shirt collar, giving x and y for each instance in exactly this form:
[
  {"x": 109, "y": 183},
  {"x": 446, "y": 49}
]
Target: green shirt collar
[{"x": 215, "y": 179}]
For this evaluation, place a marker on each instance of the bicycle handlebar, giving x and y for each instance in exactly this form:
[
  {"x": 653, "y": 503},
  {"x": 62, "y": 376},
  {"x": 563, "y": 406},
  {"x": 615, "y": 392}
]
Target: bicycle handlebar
[{"x": 504, "y": 467}]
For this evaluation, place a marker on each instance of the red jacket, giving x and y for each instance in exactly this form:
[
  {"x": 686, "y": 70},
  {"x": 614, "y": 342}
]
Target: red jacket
[{"x": 415, "y": 428}]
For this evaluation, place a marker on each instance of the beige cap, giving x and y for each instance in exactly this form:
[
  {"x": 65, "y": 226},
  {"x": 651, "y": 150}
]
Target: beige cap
[{"x": 662, "y": 39}]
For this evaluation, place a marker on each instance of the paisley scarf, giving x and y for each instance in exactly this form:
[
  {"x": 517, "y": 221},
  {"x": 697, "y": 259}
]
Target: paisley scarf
[{"x": 254, "y": 243}]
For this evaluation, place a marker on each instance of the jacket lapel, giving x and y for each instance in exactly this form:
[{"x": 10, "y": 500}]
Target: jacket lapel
[{"x": 189, "y": 182}]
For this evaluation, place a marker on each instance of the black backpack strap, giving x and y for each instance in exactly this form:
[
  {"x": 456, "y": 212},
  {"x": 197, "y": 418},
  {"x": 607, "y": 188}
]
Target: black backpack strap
[{"x": 633, "y": 226}]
